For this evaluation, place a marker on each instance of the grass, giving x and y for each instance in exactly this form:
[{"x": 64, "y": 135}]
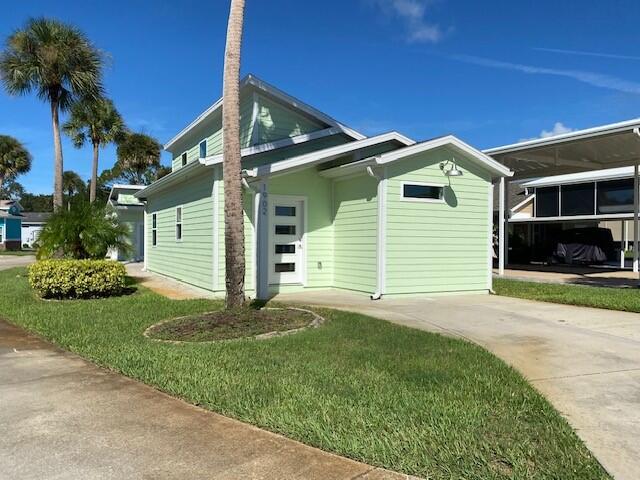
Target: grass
[
  {"x": 17, "y": 253},
  {"x": 223, "y": 325},
  {"x": 386, "y": 395},
  {"x": 624, "y": 299}
]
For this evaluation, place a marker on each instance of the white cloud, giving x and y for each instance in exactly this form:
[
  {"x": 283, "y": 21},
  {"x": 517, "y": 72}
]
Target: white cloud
[
  {"x": 558, "y": 129},
  {"x": 413, "y": 13},
  {"x": 614, "y": 56},
  {"x": 591, "y": 78}
]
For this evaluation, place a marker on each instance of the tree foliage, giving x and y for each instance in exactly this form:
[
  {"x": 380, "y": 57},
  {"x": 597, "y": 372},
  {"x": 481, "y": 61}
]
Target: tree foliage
[
  {"x": 138, "y": 159},
  {"x": 15, "y": 160}
]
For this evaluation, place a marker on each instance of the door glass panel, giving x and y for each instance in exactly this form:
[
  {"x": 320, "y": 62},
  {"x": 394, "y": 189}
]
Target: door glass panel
[
  {"x": 285, "y": 249},
  {"x": 285, "y": 267},
  {"x": 282, "y": 211},
  {"x": 285, "y": 229}
]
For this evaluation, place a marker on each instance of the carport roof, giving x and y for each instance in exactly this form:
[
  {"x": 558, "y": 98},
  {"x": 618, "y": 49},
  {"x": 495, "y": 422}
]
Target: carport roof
[{"x": 607, "y": 146}]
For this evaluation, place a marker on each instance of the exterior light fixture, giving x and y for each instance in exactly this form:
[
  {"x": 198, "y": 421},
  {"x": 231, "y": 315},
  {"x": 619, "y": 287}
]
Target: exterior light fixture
[{"x": 452, "y": 171}]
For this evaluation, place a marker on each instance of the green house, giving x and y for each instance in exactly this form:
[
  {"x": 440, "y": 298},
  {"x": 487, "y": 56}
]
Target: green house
[
  {"x": 325, "y": 206},
  {"x": 130, "y": 211}
]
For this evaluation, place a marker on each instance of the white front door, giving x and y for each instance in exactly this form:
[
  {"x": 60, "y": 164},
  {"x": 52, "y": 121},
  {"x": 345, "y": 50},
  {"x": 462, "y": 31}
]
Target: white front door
[{"x": 286, "y": 225}]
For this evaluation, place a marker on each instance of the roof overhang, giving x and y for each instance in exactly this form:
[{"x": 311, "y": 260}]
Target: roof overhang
[
  {"x": 183, "y": 174},
  {"x": 251, "y": 81},
  {"x": 604, "y": 147},
  {"x": 450, "y": 141}
]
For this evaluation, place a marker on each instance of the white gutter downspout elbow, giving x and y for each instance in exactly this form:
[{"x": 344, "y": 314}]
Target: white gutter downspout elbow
[
  {"x": 377, "y": 295},
  {"x": 248, "y": 174}
]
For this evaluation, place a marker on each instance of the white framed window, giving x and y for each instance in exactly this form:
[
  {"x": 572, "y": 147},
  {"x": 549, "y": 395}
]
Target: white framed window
[
  {"x": 178, "y": 223},
  {"x": 203, "y": 148},
  {"x": 422, "y": 192},
  {"x": 154, "y": 229},
  {"x": 1, "y": 233},
  {"x": 184, "y": 159}
]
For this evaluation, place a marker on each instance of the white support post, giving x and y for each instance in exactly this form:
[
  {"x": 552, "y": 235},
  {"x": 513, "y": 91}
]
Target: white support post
[
  {"x": 623, "y": 235},
  {"x": 636, "y": 224},
  {"x": 507, "y": 210},
  {"x": 501, "y": 225}
]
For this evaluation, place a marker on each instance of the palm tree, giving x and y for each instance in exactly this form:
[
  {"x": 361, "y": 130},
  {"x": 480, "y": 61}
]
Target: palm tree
[
  {"x": 14, "y": 160},
  {"x": 233, "y": 211},
  {"x": 72, "y": 184},
  {"x": 137, "y": 154},
  {"x": 58, "y": 62},
  {"x": 98, "y": 122}
]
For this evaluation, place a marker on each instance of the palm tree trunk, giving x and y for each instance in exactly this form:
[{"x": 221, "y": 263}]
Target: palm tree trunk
[
  {"x": 58, "y": 165},
  {"x": 94, "y": 173},
  {"x": 233, "y": 211}
]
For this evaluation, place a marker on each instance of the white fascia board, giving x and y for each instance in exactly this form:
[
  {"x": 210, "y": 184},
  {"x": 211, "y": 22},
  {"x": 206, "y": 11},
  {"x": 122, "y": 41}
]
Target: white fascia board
[
  {"x": 448, "y": 140},
  {"x": 263, "y": 86},
  {"x": 523, "y": 203},
  {"x": 310, "y": 159},
  {"x": 569, "y": 218},
  {"x": 566, "y": 137},
  {"x": 120, "y": 186},
  {"x": 267, "y": 147},
  {"x": 591, "y": 176},
  {"x": 173, "y": 178}
]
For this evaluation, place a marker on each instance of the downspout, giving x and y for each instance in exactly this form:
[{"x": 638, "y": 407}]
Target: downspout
[{"x": 377, "y": 295}]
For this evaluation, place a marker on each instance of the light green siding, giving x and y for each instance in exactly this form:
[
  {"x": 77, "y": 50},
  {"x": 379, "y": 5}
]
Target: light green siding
[
  {"x": 275, "y": 121},
  {"x": 191, "y": 259},
  {"x": 319, "y": 233},
  {"x": 355, "y": 233},
  {"x": 437, "y": 247}
]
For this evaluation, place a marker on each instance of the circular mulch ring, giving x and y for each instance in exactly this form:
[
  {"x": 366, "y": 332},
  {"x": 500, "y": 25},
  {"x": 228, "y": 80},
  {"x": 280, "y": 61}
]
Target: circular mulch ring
[{"x": 314, "y": 321}]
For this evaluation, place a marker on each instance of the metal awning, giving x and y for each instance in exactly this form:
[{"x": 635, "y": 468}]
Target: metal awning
[{"x": 608, "y": 146}]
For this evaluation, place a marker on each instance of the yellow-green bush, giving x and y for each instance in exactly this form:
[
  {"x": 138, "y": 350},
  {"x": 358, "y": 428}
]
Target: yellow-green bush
[{"x": 77, "y": 278}]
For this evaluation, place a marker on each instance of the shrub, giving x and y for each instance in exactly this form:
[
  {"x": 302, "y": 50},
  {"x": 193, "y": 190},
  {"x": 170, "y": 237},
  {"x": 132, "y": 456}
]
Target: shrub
[{"x": 77, "y": 278}]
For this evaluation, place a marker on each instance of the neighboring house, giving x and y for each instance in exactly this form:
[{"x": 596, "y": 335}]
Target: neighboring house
[
  {"x": 325, "y": 207},
  {"x": 32, "y": 224},
  {"x": 10, "y": 225},
  {"x": 130, "y": 211}
]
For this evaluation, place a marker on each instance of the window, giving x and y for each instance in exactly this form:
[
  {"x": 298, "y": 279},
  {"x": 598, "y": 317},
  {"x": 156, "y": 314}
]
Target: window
[
  {"x": 285, "y": 211},
  {"x": 547, "y": 202},
  {"x": 577, "y": 199},
  {"x": 285, "y": 229},
  {"x": 1, "y": 234},
  {"x": 615, "y": 196},
  {"x": 422, "y": 192},
  {"x": 154, "y": 229},
  {"x": 179, "y": 223},
  {"x": 280, "y": 249},
  {"x": 184, "y": 159},
  {"x": 203, "y": 149},
  {"x": 285, "y": 267}
]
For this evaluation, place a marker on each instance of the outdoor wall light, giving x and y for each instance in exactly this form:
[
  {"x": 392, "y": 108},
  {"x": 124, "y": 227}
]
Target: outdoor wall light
[{"x": 452, "y": 171}]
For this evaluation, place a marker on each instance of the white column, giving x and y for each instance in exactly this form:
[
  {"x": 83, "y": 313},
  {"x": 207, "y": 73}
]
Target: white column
[
  {"x": 507, "y": 196},
  {"x": 623, "y": 236},
  {"x": 262, "y": 242},
  {"x": 501, "y": 225},
  {"x": 144, "y": 238},
  {"x": 636, "y": 224}
]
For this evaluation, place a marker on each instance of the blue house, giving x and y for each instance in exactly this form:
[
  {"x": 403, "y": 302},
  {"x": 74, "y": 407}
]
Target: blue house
[{"x": 10, "y": 225}]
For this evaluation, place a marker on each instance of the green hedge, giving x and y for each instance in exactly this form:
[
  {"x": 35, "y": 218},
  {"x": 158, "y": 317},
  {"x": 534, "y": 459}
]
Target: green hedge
[{"x": 77, "y": 278}]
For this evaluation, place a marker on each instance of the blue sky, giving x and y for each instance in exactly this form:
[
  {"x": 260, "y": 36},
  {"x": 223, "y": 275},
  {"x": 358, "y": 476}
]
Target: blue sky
[{"x": 490, "y": 72}]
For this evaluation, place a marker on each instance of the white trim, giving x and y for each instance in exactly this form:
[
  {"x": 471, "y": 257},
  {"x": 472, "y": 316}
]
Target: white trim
[
  {"x": 620, "y": 173},
  {"x": 254, "y": 120},
  {"x": 382, "y": 232},
  {"x": 271, "y": 200},
  {"x": 204, "y": 140},
  {"x": 501, "y": 225},
  {"x": 523, "y": 203},
  {"x": 154, "y": 229},
  {"x": 267, "y": 147},
  {"x": 176, "y": 223},
  {"x": 216, "y": 232},
  {"x": 145, "y": 223},
  {"x": 422, "y": 200},
  {"x": 184, "y": 159},
  {"x": 490, "y": 239},
  {"x": 175, "y": 177},
  {"x": 263, "y": 86},
  {"x": 567, "y": 137},
  {"x": 560, "y": 218}
]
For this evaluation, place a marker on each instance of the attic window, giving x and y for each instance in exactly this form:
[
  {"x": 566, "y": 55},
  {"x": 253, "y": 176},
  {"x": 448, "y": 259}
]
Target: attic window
[
  {"x": 184, "y": 159},
  {"x": 203, "y": 149}
]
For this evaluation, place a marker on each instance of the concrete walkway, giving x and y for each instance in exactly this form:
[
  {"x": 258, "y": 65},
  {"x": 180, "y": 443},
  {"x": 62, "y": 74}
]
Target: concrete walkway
[
  {"x": 12, "y": 261},
  {"x": 64, "y": 418},
  {"x": 585, "y": 361},
  {"x": 165, "y": 286}
]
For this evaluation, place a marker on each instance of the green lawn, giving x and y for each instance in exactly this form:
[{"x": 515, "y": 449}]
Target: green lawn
[
  {"x": 17, "y": 253},
  {"x": 387, "y": 395},
  {"x": 625, "y": 299}
]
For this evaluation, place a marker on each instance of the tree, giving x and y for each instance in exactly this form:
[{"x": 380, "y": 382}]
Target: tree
[
  {"x": 36, "y": 203},
  {"x": 84, "y": 231},
  {"x": 97, "y": 122},
  {"x": 137, "y": 155},
  {"x": 72, "y": 185},
  {"x": 233, "y": 208},
  {"x": 57, "y": 61},
  {"x": 14, "y": 160}
]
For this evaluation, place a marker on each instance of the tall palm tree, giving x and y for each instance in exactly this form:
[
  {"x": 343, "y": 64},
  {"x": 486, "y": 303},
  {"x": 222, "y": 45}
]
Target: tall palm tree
[
  {"x": 98, "y": 122},
  {"x": 58, "y": 62},
  {"x": 233, "y": 212},
  {"x": 137, "y": 154},
  {"x": 14, "y": 160},
  {"x": 72, "y": 184}
]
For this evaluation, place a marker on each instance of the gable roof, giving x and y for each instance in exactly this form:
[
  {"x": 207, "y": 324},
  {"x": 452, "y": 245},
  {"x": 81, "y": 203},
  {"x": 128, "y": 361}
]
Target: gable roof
[
  {"x": 35, "y": 217},
  {"x": 118, "y": 188},
  {"x": 264, "y": 87}
]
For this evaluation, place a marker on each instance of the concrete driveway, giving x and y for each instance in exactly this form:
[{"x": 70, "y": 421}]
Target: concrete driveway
[
  {"x": 585, "y": 361},
  {"x": 11, "y": 261}
]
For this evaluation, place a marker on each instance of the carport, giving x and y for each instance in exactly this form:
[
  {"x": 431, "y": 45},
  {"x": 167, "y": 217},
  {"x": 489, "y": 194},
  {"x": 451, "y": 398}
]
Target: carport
[{"x": 604, "y": 147}]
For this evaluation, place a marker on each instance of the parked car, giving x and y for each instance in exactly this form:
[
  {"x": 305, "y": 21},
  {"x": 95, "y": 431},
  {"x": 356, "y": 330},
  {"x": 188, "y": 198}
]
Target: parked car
[{"x": 584, "y": 246}]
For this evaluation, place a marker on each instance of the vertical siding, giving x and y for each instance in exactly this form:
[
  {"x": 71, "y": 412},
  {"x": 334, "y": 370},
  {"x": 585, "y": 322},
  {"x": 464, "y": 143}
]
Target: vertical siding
[
  {"x": 437, "y": 247},
  {"x": 276, "y": 121},
  {"x": 355, "y": 233},
  {"x": 319, "y": 233},
  {"x": 189, "y": 260}
]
